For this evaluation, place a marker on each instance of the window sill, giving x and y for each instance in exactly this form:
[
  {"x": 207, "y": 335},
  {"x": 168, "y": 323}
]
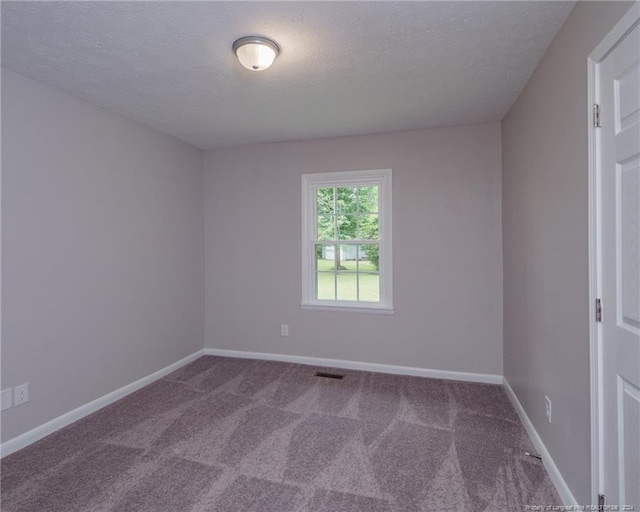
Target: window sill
[{"x": 345, "y": 308}]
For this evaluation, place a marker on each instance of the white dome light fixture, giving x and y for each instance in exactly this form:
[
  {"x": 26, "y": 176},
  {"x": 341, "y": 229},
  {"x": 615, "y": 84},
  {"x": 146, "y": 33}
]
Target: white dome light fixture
[{"x": 256, "y": 53}]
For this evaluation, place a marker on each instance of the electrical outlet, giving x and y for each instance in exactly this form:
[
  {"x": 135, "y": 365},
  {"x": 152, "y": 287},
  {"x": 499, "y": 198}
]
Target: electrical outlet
[
  {"x": 7, "y": 398},
  {"x": 547, "y": 408},
  {"x": 284, "y": 330},
  {"x": 21, "y": 394}
]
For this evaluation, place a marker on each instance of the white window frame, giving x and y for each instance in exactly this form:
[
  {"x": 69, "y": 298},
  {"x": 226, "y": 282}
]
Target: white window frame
[{"x": 310, "y": 183}]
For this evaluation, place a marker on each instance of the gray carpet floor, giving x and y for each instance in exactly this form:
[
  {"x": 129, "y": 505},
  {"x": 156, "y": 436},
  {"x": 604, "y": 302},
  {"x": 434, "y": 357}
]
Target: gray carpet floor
[{"x": 239, "y": 435}]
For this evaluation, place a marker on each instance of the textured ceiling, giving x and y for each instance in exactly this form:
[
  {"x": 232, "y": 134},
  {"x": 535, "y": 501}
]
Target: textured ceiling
[{"x": 345, "y": 67}]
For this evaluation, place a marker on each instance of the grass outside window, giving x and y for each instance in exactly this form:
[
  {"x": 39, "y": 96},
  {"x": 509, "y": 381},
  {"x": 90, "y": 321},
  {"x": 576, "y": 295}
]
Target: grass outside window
[{"x": 347, "y": 281}]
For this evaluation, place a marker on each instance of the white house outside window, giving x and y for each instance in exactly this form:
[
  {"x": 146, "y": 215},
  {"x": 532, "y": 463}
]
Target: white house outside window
[{"x": 346, "y": 241}]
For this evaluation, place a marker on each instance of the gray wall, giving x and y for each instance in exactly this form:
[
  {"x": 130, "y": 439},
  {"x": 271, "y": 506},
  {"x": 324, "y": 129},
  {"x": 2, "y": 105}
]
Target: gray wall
[
  {"x": 447, "y": 250},
  {"x": 544, "y": 218},
  {"x": 102, "y": 264}
]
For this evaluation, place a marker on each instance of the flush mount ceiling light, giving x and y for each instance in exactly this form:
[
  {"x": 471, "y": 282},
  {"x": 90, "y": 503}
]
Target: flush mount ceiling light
[{"x": 256, "y": 53}]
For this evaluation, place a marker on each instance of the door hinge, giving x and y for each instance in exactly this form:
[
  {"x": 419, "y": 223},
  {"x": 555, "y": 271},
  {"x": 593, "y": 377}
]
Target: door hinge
[
  {"x": 601, "y": 498},
  {"x": 598, "y": 310},
  {"x": 596, "y": 115}
]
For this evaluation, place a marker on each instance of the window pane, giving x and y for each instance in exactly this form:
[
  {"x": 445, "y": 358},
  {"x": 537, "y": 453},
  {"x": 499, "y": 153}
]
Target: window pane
[
  {"x": 324, "y": 200},
  {"x": 368, "y": 227},
  {"x": 325, "y": 286},
  {"x": 326, "y": 227},
  {"x": 368, "y": 199},
  {"x": 347, "y": 286},
  {"x": 346, "y": 199},
  {"x": 325, "y": 258},
  {"x": 347, "y": 255},
  {"x": 346, "y": 227},
  {"x": 369, "y": 258},
  {"x": 369, "y": 286}
]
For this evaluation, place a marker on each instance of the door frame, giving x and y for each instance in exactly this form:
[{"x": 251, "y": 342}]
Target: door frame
[{"x": 627, "y": 23}]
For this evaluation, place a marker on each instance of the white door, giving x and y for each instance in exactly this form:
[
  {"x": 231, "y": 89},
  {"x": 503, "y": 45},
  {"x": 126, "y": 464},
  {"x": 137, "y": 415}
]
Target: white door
[{"x": 619, "y": 86}]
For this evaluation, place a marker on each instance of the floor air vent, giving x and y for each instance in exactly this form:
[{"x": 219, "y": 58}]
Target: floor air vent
[{"x": 329, "y": 375}]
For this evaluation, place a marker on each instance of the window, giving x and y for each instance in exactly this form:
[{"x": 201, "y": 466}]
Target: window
[{"x": 346, "y": 241}]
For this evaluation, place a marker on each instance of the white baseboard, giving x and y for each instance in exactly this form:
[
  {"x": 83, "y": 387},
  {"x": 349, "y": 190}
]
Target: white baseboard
[
  {"x": 356, "y": 365},
  {"x": 556, "y": 477},
  {"x": 44, "y": 430}
]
